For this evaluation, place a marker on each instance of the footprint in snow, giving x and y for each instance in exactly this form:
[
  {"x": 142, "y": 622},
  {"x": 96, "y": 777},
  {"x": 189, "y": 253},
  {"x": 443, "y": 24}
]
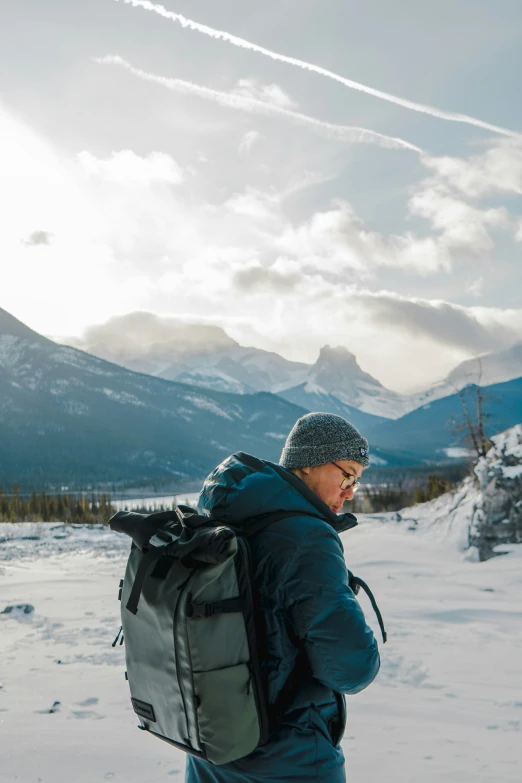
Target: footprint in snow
[
  {"x": 88, "y": 702},
  {"x": 55, "y": 708},
  {"x": 19, "y": 611},
  {"x": 87, "y": 714}
]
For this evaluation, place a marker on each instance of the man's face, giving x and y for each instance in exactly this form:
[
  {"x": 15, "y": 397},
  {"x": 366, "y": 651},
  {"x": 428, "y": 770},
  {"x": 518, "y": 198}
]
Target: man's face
[{"x": 325, "y": 481}]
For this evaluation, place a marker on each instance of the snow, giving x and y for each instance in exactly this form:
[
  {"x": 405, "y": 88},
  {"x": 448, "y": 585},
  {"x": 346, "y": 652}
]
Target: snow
[
  {"x": 212, "y": 378},
  {"x": 509, "y": 442},
  {"x": 207, "y": 404},
  {"x": 446, "y": 705},
  {"x": 512, "y": 471},
  {"x": 374, "y": 460},
  {"x": 74, "y": 358},
  {"x": 313, "y": 388},
  {"x": 123, "y": 397},
  {"x": 457, "y": 452},
  {"x": 446, "y": 520}
]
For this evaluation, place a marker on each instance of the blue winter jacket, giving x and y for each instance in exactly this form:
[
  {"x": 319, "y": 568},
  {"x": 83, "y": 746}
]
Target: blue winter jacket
[{"x": 316, "y": 631}]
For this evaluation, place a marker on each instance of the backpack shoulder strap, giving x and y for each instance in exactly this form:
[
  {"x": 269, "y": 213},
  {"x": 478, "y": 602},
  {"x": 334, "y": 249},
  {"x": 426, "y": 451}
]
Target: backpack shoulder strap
[
  {"x": 264, "y": 520},
  {"x": 355, "y": 582}
]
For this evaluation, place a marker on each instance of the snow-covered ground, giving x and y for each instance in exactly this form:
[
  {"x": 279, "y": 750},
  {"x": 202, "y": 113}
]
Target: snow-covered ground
[{"x": 445, "y": 708}]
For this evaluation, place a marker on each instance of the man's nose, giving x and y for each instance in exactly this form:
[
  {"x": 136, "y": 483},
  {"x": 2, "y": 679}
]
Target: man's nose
[{"x": 348, "y": 493}]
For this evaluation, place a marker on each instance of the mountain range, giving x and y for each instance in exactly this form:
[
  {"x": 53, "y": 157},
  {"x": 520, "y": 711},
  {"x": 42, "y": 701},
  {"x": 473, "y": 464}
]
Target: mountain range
[
  {"x": 68, "y": 417},
  {"x": 205, "y": 356}
]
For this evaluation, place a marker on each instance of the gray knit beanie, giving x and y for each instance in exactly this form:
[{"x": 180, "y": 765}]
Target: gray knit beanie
[{"x": 318, "y": 438}]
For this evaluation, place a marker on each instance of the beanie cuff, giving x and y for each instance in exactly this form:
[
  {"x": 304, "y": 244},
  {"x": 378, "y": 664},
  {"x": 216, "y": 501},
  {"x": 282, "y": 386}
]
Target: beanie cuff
[{"x": 302, "y": 457}]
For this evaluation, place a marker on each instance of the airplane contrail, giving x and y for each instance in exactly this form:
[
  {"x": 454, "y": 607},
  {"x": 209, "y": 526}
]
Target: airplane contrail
[
  {"x": 338, "y": 132},
  {"x": 242, "y": 43}
]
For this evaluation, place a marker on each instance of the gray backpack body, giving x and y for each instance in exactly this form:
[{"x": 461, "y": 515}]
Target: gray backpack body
[
  {"x": 193, "y": 640},
  {"x": 194, "y": 635}
]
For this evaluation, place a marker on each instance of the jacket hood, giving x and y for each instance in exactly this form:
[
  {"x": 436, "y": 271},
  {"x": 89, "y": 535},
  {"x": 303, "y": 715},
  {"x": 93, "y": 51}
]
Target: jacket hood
[{"x": 243, "y": 487}]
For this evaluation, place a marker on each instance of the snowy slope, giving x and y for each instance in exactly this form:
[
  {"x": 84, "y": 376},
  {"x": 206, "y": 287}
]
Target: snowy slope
[
  {"x": 446, "y": 705},
  {"x": 497, "y": 367},
  {"x": 484, "y": 513},
  {"x": 212, "y": 378}
]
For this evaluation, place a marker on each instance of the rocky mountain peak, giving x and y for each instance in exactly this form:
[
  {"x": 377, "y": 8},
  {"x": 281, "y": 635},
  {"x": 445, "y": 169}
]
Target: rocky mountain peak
[
  {"x": 338, "y": 354},
  {"x": 12, "y": 327},
  {"x": 337, "y": 368}
]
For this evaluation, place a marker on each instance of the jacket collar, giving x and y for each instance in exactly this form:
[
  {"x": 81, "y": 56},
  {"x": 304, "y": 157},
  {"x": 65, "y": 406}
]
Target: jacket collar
[{"x": 339, "y": 522}]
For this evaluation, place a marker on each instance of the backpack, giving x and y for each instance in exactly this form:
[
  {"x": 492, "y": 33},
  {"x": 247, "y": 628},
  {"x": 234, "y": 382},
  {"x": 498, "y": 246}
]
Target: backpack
[{"x": 194, "y": 638}]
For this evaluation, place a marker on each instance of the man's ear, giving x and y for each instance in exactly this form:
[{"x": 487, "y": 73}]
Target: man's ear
[{"x": 306, "y": 471}]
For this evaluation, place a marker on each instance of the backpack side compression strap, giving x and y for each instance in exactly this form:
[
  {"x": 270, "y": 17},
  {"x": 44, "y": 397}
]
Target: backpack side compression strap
[{"x": 145, "y": 563}]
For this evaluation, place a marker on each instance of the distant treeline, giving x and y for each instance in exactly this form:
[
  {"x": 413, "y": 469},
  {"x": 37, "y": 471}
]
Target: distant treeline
[
  {"x": 93, "y": 508},
  {"x": 55, "y": 508},
  {"x": 390, "y": 497}
]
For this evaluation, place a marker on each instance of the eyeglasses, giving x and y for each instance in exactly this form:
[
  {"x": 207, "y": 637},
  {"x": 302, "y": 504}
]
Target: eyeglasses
[{"x": 348, "y": 480}]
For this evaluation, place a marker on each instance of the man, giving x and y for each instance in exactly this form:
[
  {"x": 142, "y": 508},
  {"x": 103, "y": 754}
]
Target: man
[{"x": 318, "y": 644}]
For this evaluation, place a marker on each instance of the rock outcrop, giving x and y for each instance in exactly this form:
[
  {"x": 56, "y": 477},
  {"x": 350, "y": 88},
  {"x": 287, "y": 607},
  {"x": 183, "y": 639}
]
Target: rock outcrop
[{"x": 498, "y": 517}]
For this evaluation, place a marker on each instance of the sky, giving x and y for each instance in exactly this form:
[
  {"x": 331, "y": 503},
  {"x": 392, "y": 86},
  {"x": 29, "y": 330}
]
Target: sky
[{"x": 318, "y": 173}]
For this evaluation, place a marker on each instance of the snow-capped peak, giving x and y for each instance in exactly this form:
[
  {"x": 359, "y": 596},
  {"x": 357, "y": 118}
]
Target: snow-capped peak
[{"x": 337, "y": 372}]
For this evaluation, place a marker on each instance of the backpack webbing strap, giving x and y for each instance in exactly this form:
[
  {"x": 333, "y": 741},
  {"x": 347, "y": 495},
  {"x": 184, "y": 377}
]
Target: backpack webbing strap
[
  {"x": 141, "y": 572},
  {"x": 227, "y": 605},
  {"x": 355, "y": 582}
]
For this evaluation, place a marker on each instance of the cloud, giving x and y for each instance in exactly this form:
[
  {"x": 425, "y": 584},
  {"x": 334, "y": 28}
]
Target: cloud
[
  {"x": 461, "y": 225},
  {"x": 476, "y": 288},
  {"x": 333, "y": 239},
  {"x": 145, "y": 335},
  {"x": 518, "y": 233},
  {"x": 256, "y": 278},
  {"x": 248, "y": 141},
  {"x": 243, "y": 44},
  {"x": 442, "y": 322},
  {"x": 38, "y": 238},
  {"x": 343, "y": 133},
  {"x": 127, "y": 168},
  {"x": 255, "y": 205},
  {"x": 337, "y": 240},
  {"x": 129, "y": 238},
  {"x": 269, "y": 93},
  {"x": 67, "y": 277},
  {"x": 497, "y": 170}
]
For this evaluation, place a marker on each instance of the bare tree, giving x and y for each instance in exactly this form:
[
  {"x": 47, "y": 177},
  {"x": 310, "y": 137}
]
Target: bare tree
[{"x": 473, "y": 427}]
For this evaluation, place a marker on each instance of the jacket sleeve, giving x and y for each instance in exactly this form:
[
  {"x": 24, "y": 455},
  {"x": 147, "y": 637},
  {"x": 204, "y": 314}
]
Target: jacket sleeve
[{"x": 326, "y": 616}]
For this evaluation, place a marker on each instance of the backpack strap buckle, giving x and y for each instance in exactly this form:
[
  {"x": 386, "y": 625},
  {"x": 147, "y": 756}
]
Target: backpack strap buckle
[
  {"x": 227, "y": 605},
  {"x": 197, "y": 611},
  {"x": 162, "y": 538}
]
